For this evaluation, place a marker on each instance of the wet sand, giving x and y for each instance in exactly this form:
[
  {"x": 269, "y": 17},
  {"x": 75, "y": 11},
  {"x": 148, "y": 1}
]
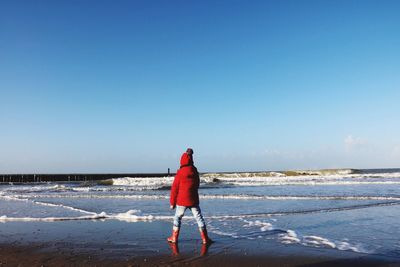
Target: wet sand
[
  {"x": 117, "y": 243},
  {"x": 34, "y": 256}
]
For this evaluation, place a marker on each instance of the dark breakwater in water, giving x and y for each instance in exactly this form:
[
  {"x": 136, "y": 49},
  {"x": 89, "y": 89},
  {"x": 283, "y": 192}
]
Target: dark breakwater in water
[
  {"x": 72, "y": 177},
  {"x": 33, "y": 178}
]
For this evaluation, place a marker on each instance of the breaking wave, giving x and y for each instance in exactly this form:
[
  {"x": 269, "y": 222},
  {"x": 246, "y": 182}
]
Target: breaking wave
[
  {"x": 235, "y": 179},
  {"x": 320, "y": 177}
]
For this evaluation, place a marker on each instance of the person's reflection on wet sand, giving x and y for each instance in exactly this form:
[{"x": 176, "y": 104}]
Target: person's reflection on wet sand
[
  {"x": 175, "y": 249},
  {"x": 204, "y": 249}
]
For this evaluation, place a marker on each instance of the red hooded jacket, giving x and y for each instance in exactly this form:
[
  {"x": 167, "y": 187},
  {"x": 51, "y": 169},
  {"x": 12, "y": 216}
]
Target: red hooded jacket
[{"x": 186, "y": 183}]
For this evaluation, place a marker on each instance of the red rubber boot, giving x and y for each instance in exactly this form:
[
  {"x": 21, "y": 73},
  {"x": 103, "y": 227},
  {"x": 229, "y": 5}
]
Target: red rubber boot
[
  {"x": 204, "y": 236},
  {"x": 174, "y": 237}
]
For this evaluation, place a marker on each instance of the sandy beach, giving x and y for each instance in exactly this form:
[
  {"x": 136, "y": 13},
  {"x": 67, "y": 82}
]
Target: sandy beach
[
  {"x": 348, "y": 219},
  {"x": 108, "y": 243},
  {"x": 32, "y": 256}
]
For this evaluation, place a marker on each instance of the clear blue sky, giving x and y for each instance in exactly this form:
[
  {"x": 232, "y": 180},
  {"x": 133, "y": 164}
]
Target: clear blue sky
[{"x": 126, "y": 86}]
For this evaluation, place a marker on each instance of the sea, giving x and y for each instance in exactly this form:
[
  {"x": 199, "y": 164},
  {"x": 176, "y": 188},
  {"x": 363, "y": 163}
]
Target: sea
[{"x": 343, "y": 209}]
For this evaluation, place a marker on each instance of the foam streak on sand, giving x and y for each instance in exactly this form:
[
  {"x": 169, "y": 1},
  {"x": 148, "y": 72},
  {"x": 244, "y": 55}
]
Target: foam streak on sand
[
  {"x": 50, "y": 219},
  {"x": 265, "y": 226},
  {"x": 127, "y": 217},
  {"x": 291, "y": 237},
  {"x": 10, "y": 198}
]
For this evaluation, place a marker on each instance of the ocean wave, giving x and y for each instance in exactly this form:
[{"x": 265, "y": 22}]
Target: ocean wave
[
  {"x": 345, "y": 177},
  {"x": 323, "y": 177},
  {"x": 304, "y": 182},
  {"x": 291, "y": 173},
  {"x": 144, "y": 183},
  {"x": 307, "y": 178},
  {"x": 45, "y": 187}
]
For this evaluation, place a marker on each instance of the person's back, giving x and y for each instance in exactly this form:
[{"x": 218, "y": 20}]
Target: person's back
[
  {"x": 184, "y": 195},
  {"x": 184, "y": 191}
]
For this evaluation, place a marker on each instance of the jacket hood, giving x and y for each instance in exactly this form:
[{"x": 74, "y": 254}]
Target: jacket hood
[{"x": 186, "y": 159}]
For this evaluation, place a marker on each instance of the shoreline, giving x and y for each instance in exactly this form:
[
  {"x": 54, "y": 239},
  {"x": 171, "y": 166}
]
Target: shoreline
[
  {"x": 113, "y": 243},
  {"x": 36, "y": 255}
]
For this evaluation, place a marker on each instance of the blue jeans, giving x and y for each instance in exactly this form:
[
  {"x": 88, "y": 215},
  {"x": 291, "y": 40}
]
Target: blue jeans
[{"x": 196, "y": 211}]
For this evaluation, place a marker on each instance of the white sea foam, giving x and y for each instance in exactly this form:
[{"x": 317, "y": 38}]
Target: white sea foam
[
  {"x": 205, "y": 196},
  {"x": 218, "y": 231},
  {"x": 5, "y": 218},
  {"x": 317, "y": 241},
  {"x": 291, "y": 237},
  {"x": 264, "y": 226},
  {"x": 346, "y": 173},
  {"x": 266, "y": 197},
  {"x": 354, "y": 179},
  {"x": 132, "y": 216},
  {"x": 83, "y": 189},
  {"x": 45, "y": 187},
  {"x": 327, "y": 177},
  {"x": 62, "y": 206},
  {"x": 144, "y": 183},
  {"x": 344, "y": 245},
  {"x": 129, "y": 216},
  {"x": 13, "y": 198}
]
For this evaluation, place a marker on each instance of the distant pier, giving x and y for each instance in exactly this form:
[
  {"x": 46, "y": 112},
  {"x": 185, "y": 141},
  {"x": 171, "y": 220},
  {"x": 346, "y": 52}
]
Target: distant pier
[{"x": 78, "y": 177}]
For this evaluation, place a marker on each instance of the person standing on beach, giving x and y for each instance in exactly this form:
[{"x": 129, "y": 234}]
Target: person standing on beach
[{"x": 184, "y": 195}]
